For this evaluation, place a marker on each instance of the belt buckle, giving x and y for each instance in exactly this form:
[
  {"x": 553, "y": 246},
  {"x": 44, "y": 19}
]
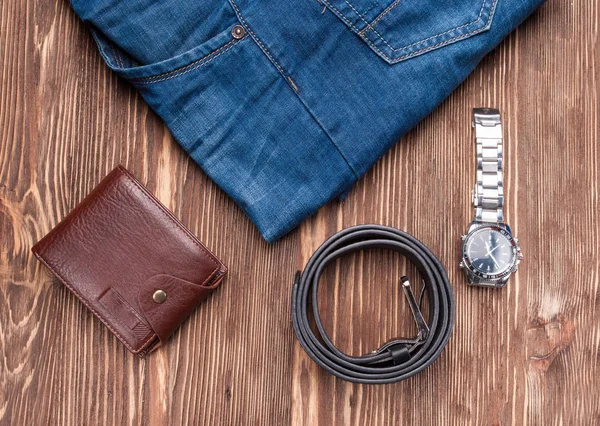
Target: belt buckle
[{"x": 398, "y": 347}]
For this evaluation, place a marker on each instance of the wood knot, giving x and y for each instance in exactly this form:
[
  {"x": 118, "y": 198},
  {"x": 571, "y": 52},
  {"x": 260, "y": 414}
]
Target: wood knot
[{"x": 546, "y": 339}]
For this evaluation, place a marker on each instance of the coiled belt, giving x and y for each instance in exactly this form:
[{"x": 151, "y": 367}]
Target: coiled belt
[{"x": 398, "y": 359}]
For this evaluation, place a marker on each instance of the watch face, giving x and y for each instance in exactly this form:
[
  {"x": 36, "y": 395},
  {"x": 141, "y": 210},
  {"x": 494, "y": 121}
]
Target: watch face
[{"x": 490, "y": 252}]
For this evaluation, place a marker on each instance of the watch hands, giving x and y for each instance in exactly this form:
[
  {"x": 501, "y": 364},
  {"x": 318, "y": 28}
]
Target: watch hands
[
  {"x": 489, "y": 253},
  {"x": 498, "y": 246},
  {"x": 495, "y": 262}
]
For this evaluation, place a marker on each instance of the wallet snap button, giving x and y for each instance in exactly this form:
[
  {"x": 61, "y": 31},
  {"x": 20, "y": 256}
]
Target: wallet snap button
[{"x": 159, "y": 296}]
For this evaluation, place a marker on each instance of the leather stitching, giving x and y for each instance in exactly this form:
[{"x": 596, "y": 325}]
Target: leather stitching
[
  {"x": 214, "y": 276},
  {"x": 91, "y": 308},
  {"x": 127, "y": 306}
]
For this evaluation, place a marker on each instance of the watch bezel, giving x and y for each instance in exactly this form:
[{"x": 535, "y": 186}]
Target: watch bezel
[{"x": 491, "y": 277}]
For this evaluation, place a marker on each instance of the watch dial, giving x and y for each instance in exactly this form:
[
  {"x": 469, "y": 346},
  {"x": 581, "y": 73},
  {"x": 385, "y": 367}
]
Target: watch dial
[{"x": 489, "y": 251}]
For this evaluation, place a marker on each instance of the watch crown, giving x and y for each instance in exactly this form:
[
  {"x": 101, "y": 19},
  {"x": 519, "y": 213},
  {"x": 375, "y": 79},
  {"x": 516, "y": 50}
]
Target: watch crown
[
  {"x": 461, "y": 264},
  {"x": 463, "y": 237}
]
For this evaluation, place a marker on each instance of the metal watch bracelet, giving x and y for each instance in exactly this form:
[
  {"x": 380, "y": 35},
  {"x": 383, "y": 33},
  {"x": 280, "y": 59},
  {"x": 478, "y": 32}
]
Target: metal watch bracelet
[{"x": 488, "y": 195}]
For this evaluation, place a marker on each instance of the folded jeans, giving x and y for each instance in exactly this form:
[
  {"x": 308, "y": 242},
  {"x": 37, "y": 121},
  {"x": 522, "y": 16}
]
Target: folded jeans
[{"x": 288, "y": 113}]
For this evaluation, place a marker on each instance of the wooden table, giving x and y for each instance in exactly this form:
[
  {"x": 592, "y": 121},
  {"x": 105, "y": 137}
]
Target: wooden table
[{"x": 527, "y": 354}]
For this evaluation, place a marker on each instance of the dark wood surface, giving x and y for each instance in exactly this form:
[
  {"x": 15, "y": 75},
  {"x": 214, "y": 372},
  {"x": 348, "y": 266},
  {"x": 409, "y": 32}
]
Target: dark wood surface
[{"x": 528, "y": 354}]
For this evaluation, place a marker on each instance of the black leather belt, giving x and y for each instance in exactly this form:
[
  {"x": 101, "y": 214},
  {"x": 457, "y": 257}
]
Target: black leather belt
[{"x": 398, "y": 359}]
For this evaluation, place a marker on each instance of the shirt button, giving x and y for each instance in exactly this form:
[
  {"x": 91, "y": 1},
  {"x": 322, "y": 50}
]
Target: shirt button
[{"x": 238, "y": 32}]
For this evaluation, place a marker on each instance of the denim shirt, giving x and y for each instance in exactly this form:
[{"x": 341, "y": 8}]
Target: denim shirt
[{"x": 285, "y": 104}]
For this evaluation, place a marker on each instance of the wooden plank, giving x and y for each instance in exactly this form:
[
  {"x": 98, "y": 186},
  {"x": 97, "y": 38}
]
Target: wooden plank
[{"x": 525, "y": 355}]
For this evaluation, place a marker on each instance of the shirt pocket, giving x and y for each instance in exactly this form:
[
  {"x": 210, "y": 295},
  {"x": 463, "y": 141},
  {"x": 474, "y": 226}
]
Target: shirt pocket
[{"x": 401, "y": 29}]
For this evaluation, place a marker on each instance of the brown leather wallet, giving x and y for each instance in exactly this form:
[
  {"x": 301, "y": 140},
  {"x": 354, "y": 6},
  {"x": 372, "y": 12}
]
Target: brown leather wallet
[{"x": 131, "y": 262}]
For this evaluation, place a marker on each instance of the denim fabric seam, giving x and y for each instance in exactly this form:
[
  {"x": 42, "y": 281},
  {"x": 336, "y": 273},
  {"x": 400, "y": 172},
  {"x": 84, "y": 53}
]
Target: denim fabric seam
[
  {"x": 370, "y": 27},
  {"x": 116, "y": 55},
  {"x": 281, "y": 70},
  {"x": 424, "y": 50},
  {"x": 434, "y": 36},
  {"x": 357, "y": 12},
  {"x": 104, "y": 54},
  {"x": 255, "y": 37},
  {"x": 187, "y": 68},
  {"x": 339, "y": 150},
  {"x": 294, "y": 86},
  {"x": 417, "y": 52},
  {"x": 385, "y": 12},
  {"x": 375, "y": 3},
  {"x": 112, "y": 55}
]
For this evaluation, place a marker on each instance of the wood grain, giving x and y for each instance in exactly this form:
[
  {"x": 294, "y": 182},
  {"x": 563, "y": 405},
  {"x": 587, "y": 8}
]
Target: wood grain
[{"x": 528, "y": 354}]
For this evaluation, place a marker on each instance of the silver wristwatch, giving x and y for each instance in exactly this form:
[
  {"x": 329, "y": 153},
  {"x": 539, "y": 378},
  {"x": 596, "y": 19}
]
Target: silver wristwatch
[{"x": 490, "y": 253}]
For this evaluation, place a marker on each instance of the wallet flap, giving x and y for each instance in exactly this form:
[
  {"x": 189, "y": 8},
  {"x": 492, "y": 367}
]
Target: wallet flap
[{"x": 166, "y": 301}]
